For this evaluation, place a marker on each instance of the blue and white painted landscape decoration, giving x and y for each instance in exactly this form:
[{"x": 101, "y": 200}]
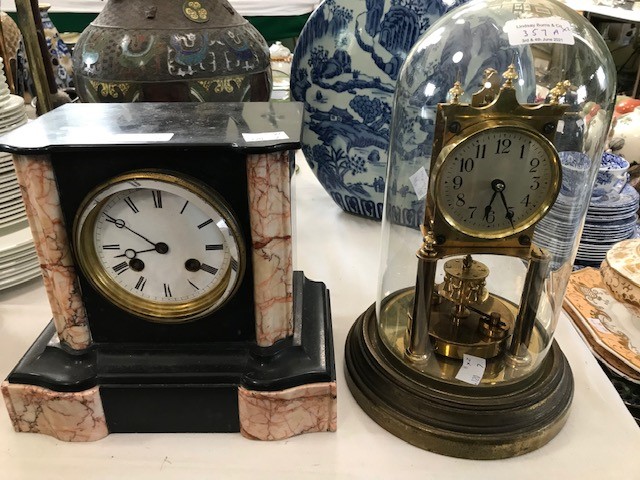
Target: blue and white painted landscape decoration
[{"x": 345, "y": 68}]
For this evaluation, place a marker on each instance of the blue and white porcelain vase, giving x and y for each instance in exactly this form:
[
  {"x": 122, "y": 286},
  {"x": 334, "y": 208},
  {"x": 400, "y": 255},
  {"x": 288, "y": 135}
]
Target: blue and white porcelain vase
[
  {"x": 345, "y": 68},
  {"x": 58, "y": 50}
]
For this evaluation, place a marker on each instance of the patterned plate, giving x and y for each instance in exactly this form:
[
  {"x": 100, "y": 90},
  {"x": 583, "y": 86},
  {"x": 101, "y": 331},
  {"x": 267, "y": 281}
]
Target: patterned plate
[{"x": 612, "y": 325}]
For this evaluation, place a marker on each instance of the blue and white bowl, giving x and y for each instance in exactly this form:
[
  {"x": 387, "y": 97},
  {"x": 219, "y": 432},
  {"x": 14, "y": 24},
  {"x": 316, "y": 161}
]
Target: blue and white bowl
[{"x": 612, "y": 175}]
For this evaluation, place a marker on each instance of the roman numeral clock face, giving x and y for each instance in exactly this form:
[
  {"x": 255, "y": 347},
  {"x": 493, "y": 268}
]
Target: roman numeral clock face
[
  {"x": 497, "y": 182},
  {"x": 160, "y": 246}
]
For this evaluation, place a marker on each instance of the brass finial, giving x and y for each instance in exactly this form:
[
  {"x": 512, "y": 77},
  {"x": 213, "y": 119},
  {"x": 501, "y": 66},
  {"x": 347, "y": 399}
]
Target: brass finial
[
  {"x": 510, "y": 75},
  {"x": 489, "y": 75},
  {"x": 456, "y": 92},
  {"x": 558, "y": 91}
]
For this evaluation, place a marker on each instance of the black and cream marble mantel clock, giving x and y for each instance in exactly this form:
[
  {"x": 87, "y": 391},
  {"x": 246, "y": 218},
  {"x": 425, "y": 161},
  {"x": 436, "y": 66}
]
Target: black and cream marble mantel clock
[{"x": 164, "y": 235}]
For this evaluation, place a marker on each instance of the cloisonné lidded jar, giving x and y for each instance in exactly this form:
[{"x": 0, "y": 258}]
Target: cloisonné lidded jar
[{"x": 168, "y": 50}]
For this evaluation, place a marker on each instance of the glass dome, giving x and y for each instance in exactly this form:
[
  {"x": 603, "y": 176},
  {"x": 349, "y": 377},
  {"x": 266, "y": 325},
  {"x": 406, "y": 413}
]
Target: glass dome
[{"x": 554, "y": 61}]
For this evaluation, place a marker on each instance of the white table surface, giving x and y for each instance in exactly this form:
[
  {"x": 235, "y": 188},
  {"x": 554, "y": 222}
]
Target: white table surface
[{"x": 599, "y": 441}]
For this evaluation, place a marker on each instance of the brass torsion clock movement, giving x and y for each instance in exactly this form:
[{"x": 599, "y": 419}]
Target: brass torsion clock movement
[{"x": 495, "y": 175}]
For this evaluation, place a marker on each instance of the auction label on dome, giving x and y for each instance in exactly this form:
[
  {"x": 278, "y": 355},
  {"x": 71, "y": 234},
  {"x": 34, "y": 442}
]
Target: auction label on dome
[{"x": 526, "y": 31}]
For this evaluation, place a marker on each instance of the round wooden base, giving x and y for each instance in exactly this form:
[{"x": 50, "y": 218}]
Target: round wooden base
[{"x": 477, "y": 422}]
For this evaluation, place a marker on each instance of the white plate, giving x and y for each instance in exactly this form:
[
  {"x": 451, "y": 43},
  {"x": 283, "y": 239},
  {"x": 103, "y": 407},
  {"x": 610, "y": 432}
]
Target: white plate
[
  {"x": 19, "y": 268},
  {"x": 15, "y": 280},
  {"x": 15, "y": 238},
  {"x": 9, "y": 201},
  {"x": 10, "y": 212},
  {"x": 10, "y": 193},
  {"x": 12, "y": 118},
  {"x": 12, "y": 223},
  {"x": 12, "y": 103},
  {"x": 18, "y": 252},
  {"x": 13, "y": 126},
  {"x": 8, "y": 167},
  {"x": 8, "y": 178},
  {"x": 5, "y": 187},
  {"x": 27, "y": 255}
]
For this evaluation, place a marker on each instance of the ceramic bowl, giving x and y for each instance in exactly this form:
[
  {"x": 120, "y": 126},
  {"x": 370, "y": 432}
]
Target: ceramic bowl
[
  {"x": 626, "y": 134},
  {"x": 612, "y": 175},
  {"x": 621, "y": 271},
  {"x": 575, "y": 173}
]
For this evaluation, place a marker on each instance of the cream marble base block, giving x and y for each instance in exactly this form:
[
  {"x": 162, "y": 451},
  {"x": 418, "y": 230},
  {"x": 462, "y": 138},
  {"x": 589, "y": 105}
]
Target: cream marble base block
[
  {"x": 283, "y": 414},
  {"x": 269, "y": 189},
  {"x": 72, "y": 417}
]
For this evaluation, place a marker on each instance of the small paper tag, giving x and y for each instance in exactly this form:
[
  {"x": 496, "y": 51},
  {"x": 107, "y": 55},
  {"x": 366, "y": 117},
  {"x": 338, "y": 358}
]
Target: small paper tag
[
  {"x": 264, "y": 137},
  {"x": 472, "y": 369},
  {"x": 89, "y": 137},
  {"x": 141, "y": 137},
  {"x": 420, "y": 181},
  {"x": 560, "y": 126},
  {"x": 539, "y": 30}
]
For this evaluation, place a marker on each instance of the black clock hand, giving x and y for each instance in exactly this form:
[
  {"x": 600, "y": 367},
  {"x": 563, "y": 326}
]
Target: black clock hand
[
  {"x": 159, "y": 247},
  {"x": 487, "y": 209},
  {"x": 131, "y": 253},
  {"x": 509, "y": 215}
]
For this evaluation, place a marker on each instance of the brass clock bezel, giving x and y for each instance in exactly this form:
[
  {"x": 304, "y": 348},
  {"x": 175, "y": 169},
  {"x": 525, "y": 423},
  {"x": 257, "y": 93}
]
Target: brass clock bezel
[
  {"x": 154, "y": 311},
  {"x": 447, "y": 154}
]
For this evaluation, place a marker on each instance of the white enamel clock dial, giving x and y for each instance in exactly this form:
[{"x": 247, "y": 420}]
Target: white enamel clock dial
[
  {"x": 160, "y": 246},
  {"x": 497, "y": 182}
]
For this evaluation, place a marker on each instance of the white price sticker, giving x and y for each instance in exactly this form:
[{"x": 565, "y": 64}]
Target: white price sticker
[
  {"x": 83, "y": 136},
  {"x": 420, "y": 180},
  {"x": 526, "y": 31},
  {"x": 141, "y": 137},
  {"x": 472, "y": 369},
  {"x": 264, "y": 137}
]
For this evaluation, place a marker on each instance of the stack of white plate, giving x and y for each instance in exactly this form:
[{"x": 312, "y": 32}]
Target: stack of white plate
[{"x": 18, "y": 260}]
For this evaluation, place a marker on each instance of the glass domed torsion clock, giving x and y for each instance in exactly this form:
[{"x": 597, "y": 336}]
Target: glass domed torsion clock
[
  {"x": 496, "y": 160},
  {"x": 165, "y": 239}
]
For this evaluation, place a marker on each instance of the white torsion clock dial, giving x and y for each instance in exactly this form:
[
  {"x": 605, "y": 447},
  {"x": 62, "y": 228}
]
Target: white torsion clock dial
[
  {"x": 160, "y": 246},
  {"x": 497, "y": 182}
]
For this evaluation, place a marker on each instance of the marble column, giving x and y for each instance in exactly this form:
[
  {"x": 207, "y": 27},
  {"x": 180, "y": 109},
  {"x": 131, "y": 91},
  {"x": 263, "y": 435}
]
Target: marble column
[
  {"x": 42, "y": 202},
  {"x": 268, "y": 179}
]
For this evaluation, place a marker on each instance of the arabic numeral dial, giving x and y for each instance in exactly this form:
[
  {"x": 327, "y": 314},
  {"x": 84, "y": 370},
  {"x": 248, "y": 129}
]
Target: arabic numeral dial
[{"x": 497, "y": 182}]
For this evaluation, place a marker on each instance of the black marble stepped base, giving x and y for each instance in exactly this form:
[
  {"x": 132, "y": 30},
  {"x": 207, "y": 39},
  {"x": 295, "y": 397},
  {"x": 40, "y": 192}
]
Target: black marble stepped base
[{"x": 188, "y": 388}]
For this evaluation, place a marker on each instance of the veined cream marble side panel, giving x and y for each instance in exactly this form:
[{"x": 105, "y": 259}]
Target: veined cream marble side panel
[
  {"x": 42, "y": 202},
  {"x": 270, "y": 212}
]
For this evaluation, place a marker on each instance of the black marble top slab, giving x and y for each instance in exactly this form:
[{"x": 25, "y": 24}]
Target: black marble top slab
[{"x": 270, "y": 127}]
